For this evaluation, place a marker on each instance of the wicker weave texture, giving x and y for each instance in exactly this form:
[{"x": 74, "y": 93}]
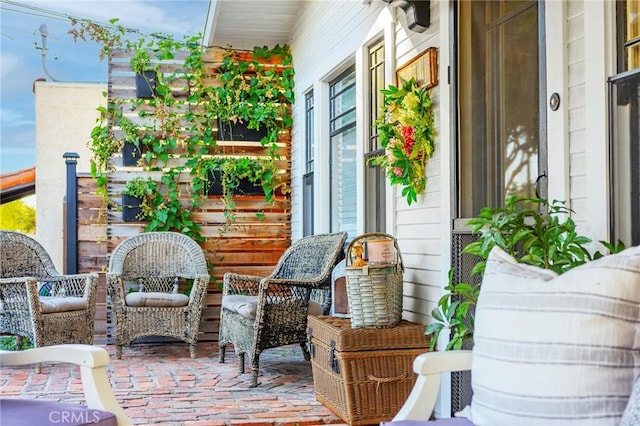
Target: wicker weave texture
[
  {"x": 406, "y": 335},
  {"x": 365, "y": 387},
  {"x": 374, "y": 292},
  {"x": 25, "y": 267},
  {"x": 157, "y": 257},
  {"x": 281, "y": 316}
]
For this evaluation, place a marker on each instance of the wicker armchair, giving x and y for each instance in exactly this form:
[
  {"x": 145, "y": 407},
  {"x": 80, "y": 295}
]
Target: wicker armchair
[
  {"x": 266, "y": 312},
  {"x": 158, "y": 262},
  {"x": 39, "y": 303}
]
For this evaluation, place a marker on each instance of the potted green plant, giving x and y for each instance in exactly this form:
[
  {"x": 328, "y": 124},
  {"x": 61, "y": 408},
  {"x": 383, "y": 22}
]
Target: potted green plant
[
  {"x": 533, "y": 231},
  {"x": 257, "y": 107},
  {"x": 146, "y": 75},
  {"x": 134, "y": 196},
  {"x": 406, "y": 132}
]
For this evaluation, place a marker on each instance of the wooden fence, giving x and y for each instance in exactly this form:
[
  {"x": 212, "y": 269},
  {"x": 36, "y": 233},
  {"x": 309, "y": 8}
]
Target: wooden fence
[{"x": 252, "y": 245}]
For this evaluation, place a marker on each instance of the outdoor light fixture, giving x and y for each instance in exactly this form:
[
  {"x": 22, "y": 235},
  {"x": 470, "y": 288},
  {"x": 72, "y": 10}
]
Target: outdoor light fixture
[{"x": 417, "y": 11}]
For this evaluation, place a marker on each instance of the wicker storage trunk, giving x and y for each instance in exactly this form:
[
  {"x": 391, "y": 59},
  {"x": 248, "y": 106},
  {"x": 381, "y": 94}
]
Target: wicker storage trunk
[{"x": 364, "y": 375}]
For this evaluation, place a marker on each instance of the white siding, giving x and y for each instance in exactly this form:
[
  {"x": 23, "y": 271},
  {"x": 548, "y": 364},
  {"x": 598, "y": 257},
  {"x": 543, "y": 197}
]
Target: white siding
[
  {"x": 328, "y": 37},
  {"x": 576, "y": 106},
  {"x": 589, "y": 63}
]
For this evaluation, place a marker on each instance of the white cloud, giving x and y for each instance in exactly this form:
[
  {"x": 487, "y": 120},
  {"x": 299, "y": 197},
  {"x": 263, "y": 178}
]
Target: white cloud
[
  {"x": 10, "y": 63},
  {"x": 11, "y": 118}
]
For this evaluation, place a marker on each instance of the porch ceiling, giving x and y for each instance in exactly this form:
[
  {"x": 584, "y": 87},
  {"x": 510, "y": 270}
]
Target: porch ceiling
[{"x": 243, "y": 24}]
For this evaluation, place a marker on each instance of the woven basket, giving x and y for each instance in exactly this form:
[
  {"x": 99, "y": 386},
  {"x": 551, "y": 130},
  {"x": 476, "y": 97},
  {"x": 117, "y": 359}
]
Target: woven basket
[
  {"x": 374, "y": 292},
  {"x": 363, "y": 375}
]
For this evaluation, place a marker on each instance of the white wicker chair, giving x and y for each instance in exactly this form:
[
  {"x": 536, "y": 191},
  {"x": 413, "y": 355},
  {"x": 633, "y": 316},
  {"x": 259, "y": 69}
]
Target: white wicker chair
[
  {"x": 39, "y": 303},
  {"x": 158, "y": 260},
  {"x": 97, "y": 390}
]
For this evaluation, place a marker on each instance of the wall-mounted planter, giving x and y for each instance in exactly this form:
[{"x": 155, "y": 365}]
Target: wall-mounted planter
[
  {"x": 146, "y": 84},
  {"x": 131, "y": 153},
  {"x": 131, "y": 208},
  {"x": 230, "y": 131},
  {"x": 246, "y": 187}
]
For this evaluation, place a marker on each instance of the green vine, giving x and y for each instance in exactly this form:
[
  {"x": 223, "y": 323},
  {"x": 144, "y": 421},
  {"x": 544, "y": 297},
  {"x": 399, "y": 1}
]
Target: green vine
[{"x": 177, "y": 136}]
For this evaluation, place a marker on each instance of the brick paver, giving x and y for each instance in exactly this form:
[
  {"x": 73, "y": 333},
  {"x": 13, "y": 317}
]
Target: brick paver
[{"x": 160, "y": 384}]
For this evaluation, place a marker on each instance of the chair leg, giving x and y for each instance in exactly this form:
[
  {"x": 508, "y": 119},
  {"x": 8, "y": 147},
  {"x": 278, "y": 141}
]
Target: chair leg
[
  {"x": 255, "y": 365},
  {"x": 119, "y": 351},
  {"x": 305, "y": 351},
  {"x": 241, "y": 362},
  {"x": 223, "y": 350},
  {"x": 192, "y": 350}
]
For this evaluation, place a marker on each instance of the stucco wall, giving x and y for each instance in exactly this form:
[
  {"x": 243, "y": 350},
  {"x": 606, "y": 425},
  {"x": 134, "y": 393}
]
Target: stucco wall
[{"x": 65, "y": 115}]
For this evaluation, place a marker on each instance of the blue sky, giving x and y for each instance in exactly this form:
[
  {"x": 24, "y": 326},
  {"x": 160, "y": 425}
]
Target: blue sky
[{"x": 21, "y": 54}]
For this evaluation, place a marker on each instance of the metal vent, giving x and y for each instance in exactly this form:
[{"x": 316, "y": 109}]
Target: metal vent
[{"x": 462, "y": 264}]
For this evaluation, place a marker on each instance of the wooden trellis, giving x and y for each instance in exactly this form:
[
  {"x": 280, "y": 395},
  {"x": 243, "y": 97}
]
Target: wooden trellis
[{"x": 251, "y": 245}]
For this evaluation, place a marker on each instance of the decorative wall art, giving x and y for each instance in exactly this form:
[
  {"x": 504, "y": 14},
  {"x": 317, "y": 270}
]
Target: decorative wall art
[{"x": 423, "y": 68}]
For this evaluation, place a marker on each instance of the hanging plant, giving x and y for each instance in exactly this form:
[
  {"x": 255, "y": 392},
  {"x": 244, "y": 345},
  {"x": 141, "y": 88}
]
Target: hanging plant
[{"x": 405, "y": 130}]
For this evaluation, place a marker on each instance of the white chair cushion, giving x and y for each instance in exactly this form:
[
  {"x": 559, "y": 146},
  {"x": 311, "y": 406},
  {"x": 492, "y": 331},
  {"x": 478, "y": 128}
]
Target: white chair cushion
[
  {"x": 156, "y": 299},
  {"x": 553, "y": 350},
  {"x": 247, "y": 306},
  {"x": 50, "y": 305}
]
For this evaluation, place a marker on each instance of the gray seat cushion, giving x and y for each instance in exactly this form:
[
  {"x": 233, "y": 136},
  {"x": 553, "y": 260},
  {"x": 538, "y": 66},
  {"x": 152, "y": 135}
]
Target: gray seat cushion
[
  {"x": 246, "y": 306},
  {"x": 156, "y": 299},
  {"x": 50, "y": 304},
  {"x": 21, "y": 412}
]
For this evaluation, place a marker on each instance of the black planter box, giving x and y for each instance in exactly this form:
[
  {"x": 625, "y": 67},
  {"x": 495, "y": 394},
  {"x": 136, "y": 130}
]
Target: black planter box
[
  {"x": 146, "y": 84},
  {"x": 246, "y": 187},
  {"x": 130, "y": 208},
  {"x": 230, "y": 131},
  {"x": 130, "y": 154}
]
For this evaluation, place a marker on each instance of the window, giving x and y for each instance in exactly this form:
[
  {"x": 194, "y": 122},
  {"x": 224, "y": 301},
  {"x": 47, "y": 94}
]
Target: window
[
  {"x": 625, "y": 156},
  {"x": 375, "y": 187},
  {"x": 307, "y": 178},
  {"x": 342, "y": 141},
  {"x": 629, "y": 34},
  {"x": 500, "y": 144},
  {"x": 624, "y": 128}
]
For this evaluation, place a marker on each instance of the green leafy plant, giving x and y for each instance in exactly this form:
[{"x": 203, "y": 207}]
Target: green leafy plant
[
  {"x": 533, "y": 231},
  {"x": 175, "y": 128},
  {"x": 138, "y": 187},
  {"x": 15, "y": 343},
  {"x": 405, "y": 131}
]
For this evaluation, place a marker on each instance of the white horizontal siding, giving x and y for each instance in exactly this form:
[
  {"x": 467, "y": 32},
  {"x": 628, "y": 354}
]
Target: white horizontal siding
[{"x": 328, "y": 37}]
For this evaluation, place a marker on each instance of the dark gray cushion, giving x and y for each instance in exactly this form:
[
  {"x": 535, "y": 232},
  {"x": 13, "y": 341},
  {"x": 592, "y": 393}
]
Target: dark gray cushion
[{"x": 21, "y": 412}]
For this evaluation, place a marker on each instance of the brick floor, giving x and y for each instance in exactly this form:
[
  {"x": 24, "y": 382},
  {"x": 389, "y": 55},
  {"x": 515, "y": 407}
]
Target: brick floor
[{"x": 160, "y": 384}]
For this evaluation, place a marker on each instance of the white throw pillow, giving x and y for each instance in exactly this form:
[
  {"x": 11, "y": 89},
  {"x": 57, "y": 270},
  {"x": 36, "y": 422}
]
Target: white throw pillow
[{"x": 556, "y": 349}]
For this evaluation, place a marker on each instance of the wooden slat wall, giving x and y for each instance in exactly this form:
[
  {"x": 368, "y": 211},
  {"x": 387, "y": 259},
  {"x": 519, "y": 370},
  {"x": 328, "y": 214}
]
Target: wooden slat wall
[{"x": 252, "y": 245}]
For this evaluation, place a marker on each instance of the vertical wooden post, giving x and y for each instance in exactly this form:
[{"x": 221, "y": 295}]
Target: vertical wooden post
[{"x": 71, "y": 245}]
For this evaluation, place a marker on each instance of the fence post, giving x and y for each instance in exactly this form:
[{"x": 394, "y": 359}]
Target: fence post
[{"x": 71, "y": 159}]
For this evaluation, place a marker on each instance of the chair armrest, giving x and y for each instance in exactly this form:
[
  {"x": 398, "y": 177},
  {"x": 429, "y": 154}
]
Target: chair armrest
[
  {"x": 429, "y": 367},
  {"x": 92, "y": 361},
  {"x": 313, "y": 284},
  {"x": 199, "y": 289},
  {"x": 115, "y": 289},
  {"x": 240, "y": 284}
]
